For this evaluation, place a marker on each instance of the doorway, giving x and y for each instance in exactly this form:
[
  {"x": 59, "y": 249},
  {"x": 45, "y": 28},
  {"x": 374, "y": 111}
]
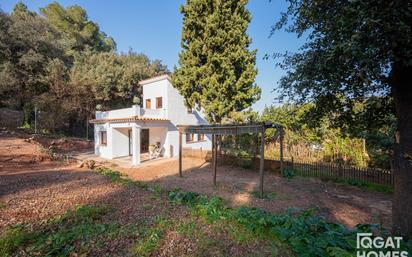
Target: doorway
[{"x": 144, "y": 141}]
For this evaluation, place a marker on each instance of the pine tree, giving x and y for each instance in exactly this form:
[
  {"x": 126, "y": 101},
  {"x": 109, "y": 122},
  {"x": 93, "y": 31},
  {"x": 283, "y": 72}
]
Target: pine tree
[{"x": 216, "y": 67}]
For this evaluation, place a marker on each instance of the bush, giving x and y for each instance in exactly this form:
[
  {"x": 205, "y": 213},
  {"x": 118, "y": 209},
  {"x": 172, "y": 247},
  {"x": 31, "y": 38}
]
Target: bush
[
  {"x": 288, "y": 172},
  {"x": 306, "y": 233}
]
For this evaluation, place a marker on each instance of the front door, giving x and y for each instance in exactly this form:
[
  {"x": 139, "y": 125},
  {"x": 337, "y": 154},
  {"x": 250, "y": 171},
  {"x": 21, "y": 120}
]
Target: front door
[
  {"x": 130, "y": 142},
  {"x": 144, "y": 141}
]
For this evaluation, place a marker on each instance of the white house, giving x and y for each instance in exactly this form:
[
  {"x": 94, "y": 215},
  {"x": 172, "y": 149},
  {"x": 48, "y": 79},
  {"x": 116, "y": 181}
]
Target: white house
[{"x": 130, "y": 131}]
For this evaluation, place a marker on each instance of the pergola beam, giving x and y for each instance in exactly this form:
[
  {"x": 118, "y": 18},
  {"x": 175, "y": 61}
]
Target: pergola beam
[
  {"x": 226, "y": 129},
  {"x": 219, "y": 130}
]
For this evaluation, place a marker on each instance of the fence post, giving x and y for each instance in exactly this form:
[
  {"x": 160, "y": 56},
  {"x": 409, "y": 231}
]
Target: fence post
[
  {"x": 281, "y": 150},
  {"x": 262, "y": 160}
]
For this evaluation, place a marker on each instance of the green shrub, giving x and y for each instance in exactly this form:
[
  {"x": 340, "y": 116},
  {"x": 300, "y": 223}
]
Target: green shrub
[
  {"x": 288, "y": 172},
  {"x": 306, "y": 233}
]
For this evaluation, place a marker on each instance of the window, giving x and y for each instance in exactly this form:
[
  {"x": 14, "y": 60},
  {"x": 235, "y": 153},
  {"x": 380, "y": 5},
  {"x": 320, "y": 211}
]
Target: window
[
  {"x": 200, "y": 137},
  {"x": 103, "y": 137},
  {"x": 159, "y": 103},
  {"x": 148, "y": 104},
  {"x": 189, "y": 138}
]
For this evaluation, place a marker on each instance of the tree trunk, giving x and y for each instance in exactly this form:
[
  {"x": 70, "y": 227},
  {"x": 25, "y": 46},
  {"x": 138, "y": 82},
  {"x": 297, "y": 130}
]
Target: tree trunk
[{"x": 402, "y": 162}]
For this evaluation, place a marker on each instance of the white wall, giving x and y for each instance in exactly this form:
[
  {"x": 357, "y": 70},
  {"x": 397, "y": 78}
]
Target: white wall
[
  {"x": 157, "y": 134},
  {"x": 153, "y": 90},
  {"x": 178, "y": 115},
  {"x": 119, "y": 113},
  {"x": 104, "y": 151},
  {"x": 174, "y": 109},
  {"x": 120, "y": 139}
]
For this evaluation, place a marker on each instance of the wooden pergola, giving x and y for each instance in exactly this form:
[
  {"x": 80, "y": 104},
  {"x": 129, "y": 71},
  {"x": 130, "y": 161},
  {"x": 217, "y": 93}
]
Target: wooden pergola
[{"x": 219, "y": 130}]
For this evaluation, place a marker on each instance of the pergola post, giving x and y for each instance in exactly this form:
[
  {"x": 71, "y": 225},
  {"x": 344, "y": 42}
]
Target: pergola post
[
  {"x": 180, "y": 154},
  {"x": 214, "y": 154},
  {"x": 281, "y": 150},
  {"x": 219, "y": 130},
  {"x": 262, "y": 160}
]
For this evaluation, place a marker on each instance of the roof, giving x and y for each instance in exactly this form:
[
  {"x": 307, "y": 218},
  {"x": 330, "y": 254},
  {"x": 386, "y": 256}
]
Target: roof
[
  {"x": 129, "y": 119},
  {"x": 230, "y": 129},
  {"x": 154, "y": 79}
]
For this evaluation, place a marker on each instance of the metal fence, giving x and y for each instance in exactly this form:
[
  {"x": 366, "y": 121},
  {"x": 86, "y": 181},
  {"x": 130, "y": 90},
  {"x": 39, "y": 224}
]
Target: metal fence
[
  {"x": 330, "y": 171},
  {"x": 337, "y": 171}
]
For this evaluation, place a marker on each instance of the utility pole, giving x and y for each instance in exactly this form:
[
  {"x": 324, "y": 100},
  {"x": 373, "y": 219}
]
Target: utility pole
[
  {"x": 35, "y": 119},
  {"x": 87, "y": 128}
]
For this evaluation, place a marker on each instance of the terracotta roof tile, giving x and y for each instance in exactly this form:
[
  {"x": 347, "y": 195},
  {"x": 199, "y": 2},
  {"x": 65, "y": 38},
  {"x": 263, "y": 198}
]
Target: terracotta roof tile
[
  {"x": 154, "y": 79},
  {"x": 131, "y": 119}
]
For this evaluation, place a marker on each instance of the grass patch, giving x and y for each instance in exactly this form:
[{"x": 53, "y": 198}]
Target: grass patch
[
  {"x": 363, "y": 184},
  {"x": 11, "y": 239},
  {"x": 352, "y": 182},
  {"x": 187, "y": 229},
  {"x": 115, "y": 176},
  {"x": 2, "y": 205},
  {"x": 58, "y": 237},
  {"x": 266, "y": 195},
  {"x": 151, "y": 237}
]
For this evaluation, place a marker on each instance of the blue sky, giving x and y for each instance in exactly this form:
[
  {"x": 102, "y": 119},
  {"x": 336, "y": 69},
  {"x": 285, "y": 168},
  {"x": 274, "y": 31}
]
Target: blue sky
[{"x": 154, "y": 28}]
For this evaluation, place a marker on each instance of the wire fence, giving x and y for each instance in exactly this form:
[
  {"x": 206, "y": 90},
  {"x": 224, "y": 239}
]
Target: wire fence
[
  {"x": 320, "y": 169},
  {"x": 339, "y": 171}
]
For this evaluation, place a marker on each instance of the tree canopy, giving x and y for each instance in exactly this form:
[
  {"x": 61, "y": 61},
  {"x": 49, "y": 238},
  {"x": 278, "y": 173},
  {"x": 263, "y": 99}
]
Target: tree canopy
[
  {"x": 216, "y": 67},
  {"x": 78, "y": 33},
  {"x": 62, "y": 63},
  {"x": 357, "y": 50}
]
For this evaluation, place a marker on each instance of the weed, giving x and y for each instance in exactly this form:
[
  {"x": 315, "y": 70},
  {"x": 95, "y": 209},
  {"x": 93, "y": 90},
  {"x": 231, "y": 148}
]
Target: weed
[
  {"x": 305, "y": 233},
  {"x": 187, "y": 229},
  {"x": 266, "y": 195},
  {"x": 363, "y": 184},
  {"x": 148, "y": 206},
  {"x": 120, "y": 178},
  {"x": 59, "y": 236},
  {"x": 11, "y": 239},
  {"x": 288, "y": 172},
  {"x": 151, "y": 237}
]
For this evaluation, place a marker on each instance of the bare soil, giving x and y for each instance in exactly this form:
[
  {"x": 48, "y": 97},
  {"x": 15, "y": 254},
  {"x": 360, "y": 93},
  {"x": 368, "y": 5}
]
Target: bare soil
[
  {"x": 35, "y": 189},
  {"x": 348, "y": 205}
]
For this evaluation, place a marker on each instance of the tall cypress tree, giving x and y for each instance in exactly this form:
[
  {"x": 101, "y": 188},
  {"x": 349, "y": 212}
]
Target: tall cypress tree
[{"x": 216, "y": 67}]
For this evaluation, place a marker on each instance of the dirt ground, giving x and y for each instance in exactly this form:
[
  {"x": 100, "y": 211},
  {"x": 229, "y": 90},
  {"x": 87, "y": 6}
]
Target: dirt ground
[
  {"x": 32, "y": 187},
  {"x": 34, "y": 190},
  {"x": 348, "y": 205}
]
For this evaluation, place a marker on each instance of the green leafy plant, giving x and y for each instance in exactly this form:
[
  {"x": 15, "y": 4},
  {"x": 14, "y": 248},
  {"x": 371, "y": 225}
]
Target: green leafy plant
[
  {"x": 288, "y": 172},
  {"x": 306, "y": 233}
]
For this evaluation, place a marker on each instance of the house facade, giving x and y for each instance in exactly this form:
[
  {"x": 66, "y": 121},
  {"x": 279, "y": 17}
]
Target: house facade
[{"x": 137, "y": 130}]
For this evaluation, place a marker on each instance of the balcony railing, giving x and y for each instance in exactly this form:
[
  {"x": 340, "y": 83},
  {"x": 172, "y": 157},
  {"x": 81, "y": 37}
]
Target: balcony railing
[{"x": 135, "y": 110}]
